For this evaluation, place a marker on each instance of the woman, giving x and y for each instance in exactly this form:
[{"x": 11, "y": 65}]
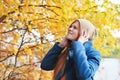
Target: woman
[{"x": 74, "y": 58}]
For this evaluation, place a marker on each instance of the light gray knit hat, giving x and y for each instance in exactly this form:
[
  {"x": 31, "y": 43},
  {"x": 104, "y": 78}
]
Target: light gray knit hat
[{"x": 89, "y": 27}]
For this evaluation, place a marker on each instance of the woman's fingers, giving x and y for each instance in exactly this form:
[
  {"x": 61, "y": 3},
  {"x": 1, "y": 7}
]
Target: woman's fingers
[{"x": 84, "y": 36}]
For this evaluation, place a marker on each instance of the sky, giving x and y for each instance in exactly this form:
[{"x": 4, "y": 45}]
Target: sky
[{"x": 115, "y": 1}]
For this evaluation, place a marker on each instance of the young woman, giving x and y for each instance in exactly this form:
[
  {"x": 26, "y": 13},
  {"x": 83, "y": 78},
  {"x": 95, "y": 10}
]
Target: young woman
[{"x": 74, "y": 58}]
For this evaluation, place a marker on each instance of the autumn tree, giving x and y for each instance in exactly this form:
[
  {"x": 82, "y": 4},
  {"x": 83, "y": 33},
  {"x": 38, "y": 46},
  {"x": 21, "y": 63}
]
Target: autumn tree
[{"x": 26, "y": 27}]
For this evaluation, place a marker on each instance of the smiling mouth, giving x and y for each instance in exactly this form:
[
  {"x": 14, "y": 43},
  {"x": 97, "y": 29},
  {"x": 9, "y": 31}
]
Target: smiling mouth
[{"x": 69, "y": 32}]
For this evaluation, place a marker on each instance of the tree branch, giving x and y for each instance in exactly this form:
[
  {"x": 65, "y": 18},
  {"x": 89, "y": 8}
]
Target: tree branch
[
  {"x": 6, "y": 58},
  {"x": 2, "y": 18},
  {"x": 11, "y": 73},
  {"x": 27, "y": 64},
  {"x": 19, "y": 48}
]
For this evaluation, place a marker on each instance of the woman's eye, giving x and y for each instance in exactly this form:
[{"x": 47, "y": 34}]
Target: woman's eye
[
  {"x": 70, "y": 26},
  {"x": 74, "y": 27}
]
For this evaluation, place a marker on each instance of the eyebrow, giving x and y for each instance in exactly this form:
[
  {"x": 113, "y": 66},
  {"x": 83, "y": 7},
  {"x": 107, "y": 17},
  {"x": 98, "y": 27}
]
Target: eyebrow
[{"x": 74, "y": 26}]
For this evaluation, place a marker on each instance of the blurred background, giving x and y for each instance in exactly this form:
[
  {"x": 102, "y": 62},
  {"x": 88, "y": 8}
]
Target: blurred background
[{"x": 29, "y": 28}]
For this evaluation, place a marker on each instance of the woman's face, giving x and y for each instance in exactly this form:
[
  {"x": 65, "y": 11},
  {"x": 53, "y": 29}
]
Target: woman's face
[{"x": 73, "y": 31}]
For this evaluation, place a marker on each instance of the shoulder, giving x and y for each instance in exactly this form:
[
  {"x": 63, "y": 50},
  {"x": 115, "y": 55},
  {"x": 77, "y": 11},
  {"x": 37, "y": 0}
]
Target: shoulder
[
  {"x": 94, "y": 54},
  {"x": 91, "y": 51}
]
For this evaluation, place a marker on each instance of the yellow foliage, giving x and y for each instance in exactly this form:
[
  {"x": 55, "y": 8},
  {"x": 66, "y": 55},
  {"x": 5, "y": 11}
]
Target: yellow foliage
[
  {"x": 8, "y": 25},
  {"x": 16, "y": 37},
  {"x": 15, "y": 51},
  {"x": 29, "y": 27},
  {"x": 1, "y": 26},
  {"x": 54, "y": 16},
  {"x": 1, "y": 8},
  {"x": 28, "y": 50},
  {"x": 46, "y": 75},
  {"x": 9, "y": 2},
  {"x": 2, "y": 66},
  {"x": 21, "y": 59},
  {"x": 41, "y": 47},
  {"x": 36, "y": 75},
  {"x": 20, "y": 25}
]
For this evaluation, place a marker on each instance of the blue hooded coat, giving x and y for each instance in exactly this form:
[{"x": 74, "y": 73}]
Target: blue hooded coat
[{"x": 81, "y": 64}]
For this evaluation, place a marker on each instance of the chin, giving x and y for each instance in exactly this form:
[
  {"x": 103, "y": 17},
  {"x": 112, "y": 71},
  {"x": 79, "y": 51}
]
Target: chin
[{"x": 70, "y": 38}]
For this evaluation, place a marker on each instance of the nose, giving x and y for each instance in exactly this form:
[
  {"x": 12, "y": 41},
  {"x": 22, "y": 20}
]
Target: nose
[{"x": 70, "y": 28}]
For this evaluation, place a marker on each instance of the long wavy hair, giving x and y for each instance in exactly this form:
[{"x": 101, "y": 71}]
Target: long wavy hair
[{"x": 83, "y": 25}]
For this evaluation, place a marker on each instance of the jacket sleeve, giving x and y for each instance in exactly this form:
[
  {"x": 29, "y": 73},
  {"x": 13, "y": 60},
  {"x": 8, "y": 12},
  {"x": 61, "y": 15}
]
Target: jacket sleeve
[
  {"x": 86, "y": 65},
  {"x": 49, "y": 61}
]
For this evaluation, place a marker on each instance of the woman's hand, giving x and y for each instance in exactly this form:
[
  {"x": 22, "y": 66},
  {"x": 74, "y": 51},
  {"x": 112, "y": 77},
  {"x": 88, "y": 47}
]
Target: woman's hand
[
  {"x": 64, "y": 42},
  {"x": 84, "y": 37}
]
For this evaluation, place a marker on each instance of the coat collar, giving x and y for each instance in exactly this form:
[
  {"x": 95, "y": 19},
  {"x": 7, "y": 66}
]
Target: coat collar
[{"x": 88, "y": 44}]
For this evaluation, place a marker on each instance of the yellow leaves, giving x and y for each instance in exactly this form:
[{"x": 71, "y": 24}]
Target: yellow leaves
[
  {"x": 16, "y": 37},
  {"x": 8, "y": 25},
  {"x": 2, "y": 66},
  {"x": 32, "y": 74},
  {"x": 104, "y": 52},
  {"x": 105, "y": 42},
  {"x": 28, "y": 50},
  {"x": 19, "y": 25},
  {"x": 9, "y": 2},
  {"x": 41, "y": 50},
  {"x": 21, "y": 59},
  {"x": 0, "y": 35},
  {"x": 1, "y": 27},
  {"x": 54, "y": 18},
  {"x": 41, "y": 31},
  {"x": 47, "y": 75},
  {"x": 29, "y": 27},
  {"x": 36, "y": 75},
  {"x": 15, "y": 50},
  {"x": 111, "y": 42},
  {"x": 50, "y": 2},
  {"x": 41, "y": 47},
  {"x": 1, "y": 9}
]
